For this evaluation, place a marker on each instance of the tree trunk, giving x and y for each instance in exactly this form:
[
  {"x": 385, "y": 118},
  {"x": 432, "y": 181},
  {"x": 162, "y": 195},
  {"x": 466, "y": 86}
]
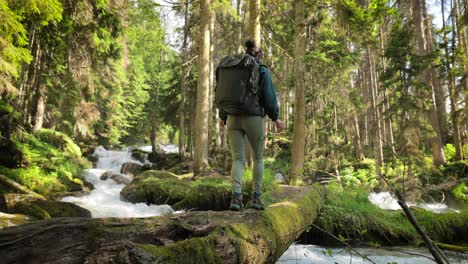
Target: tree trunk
[
  {"x": 463, "y": 49},
  {"x": 240, "y": 23},
  {"x": 194, "y": 237},
  {"x": 254, "y": 21},
  {"x": 422, "y": 48},
  {"x": 183, "y": 83},
  {"x": 213, "y": 125},
  {"x": 202, "y": 111},
  {"x": 378, "y": 146},
  {"x": 39, "y": 102},
  {"x": 298, "y": 149},
  {"x": 453, "y": 94}
]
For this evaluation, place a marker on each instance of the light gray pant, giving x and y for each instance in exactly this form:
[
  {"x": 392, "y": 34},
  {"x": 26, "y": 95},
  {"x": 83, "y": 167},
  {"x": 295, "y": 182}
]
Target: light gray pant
[{"x": 238, "y": 127}]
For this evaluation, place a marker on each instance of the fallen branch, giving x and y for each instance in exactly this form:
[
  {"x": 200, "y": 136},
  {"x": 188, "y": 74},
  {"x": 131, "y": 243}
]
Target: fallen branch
[{"x": 439, "y": 256}]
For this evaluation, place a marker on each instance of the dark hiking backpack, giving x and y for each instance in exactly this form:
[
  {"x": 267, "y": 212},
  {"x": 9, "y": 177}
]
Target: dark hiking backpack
[{"x": 237, "y": 87}]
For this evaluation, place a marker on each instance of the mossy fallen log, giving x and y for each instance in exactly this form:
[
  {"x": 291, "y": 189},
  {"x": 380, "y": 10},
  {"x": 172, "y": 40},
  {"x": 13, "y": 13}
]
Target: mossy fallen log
[
  {"x": 248, "y": 236},
  {"x": 351, "y": 216}
]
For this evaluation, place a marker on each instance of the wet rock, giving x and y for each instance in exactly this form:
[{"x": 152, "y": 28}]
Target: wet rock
[
  {"x": 121, "y": 179},
  {"x": 132, "y": 169},
  {"x": 80, "y": 185},
  {"x": 106, "y": 175}
]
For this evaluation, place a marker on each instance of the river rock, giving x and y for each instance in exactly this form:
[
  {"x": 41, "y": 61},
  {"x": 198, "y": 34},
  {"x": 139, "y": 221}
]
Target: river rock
[
  {"x": 132, "y": 169},
  {"x": 106, "y": 175},
  {"x": 80, "y": 186},
  {"x": 121, "y": 179}
]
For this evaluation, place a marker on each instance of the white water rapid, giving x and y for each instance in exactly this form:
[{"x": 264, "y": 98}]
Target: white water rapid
[
  {"x": 307, "y": 254},
  {"x": 386, "y": 201},
  {"x": 104, "y": 200}
]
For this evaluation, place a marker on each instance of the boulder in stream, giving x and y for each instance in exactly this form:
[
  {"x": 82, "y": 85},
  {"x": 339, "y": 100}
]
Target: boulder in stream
[
  {"x": 132, "y": 169},
  {"x": 106, "y": 175},
  {"x": 121, "y": 179}
]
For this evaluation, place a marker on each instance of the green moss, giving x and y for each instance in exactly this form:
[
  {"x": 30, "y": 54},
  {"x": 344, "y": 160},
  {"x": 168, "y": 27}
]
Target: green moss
[
  {"x": 462, "y": 249},
  {"x": 32, "y": 210},
  {"x": 166, "y": 190},
  {"x": 158, "y": 174},
  {"x": 350, "y": 215},
  {"x": 209, "y": 193},
  {"x": 62, "y": 209},
  {"x": 195, "y": 250},
  {"x": 54, "y": 162},
  {"x": 248, "y": 237},
  {"x": 460, "y": 192}
]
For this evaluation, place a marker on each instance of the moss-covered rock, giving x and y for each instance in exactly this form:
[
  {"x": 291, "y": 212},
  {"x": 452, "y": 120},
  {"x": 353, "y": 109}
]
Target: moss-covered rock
[
  {"x": 40, "y": 208},
  {"x": 130, "y": 168},
  {"x": 156, "y": 187},
  {"x": 62, "y": 209}
]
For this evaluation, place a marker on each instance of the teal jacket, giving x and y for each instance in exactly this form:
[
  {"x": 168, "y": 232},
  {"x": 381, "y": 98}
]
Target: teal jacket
[{"x": 268, "y": 99}]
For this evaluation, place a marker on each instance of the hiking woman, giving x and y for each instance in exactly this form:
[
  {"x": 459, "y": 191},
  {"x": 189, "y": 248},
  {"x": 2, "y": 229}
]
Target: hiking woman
[{"x": 250, "y": 123}]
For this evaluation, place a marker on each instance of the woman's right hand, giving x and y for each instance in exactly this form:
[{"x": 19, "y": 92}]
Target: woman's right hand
[{"x": 280, "y": 125}]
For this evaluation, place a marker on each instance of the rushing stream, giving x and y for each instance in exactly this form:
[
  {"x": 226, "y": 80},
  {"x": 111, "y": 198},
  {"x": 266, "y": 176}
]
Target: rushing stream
[
  {"x": 104, "y": 201},
  {"x": 308, "y": 254}
]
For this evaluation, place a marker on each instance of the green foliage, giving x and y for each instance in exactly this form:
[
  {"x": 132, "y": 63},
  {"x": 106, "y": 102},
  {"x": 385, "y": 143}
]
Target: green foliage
[
  {"x": 269, "y": 182},
  {"x": 54, "y": 162},
  {"x": 460, "y": 192},
  {"x": 449, "y": 151}
]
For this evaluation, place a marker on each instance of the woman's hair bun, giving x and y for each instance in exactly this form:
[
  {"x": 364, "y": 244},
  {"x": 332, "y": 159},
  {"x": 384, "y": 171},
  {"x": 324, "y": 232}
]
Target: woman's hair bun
[{"x": 250, "y": 44}]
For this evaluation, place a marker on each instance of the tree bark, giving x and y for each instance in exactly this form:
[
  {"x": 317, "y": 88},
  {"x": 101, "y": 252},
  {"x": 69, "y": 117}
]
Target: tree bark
[
  {"x": 422, "y": 48},
  {"x": 378, "y": 146},
  {"x": 183, "y": 83},
  {"x": 254, "y": 21},
  {"x": 298, "y": 149},
  {"x": 453, "y": 94},
  {"x": 202, "y": 111},
  {"x": 194, "y": 237}
]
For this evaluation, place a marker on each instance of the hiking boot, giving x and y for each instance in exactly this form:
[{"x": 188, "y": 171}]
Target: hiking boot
[
  {"x": 257, "y": 203},
  {"x": 236, "y": 202}
]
